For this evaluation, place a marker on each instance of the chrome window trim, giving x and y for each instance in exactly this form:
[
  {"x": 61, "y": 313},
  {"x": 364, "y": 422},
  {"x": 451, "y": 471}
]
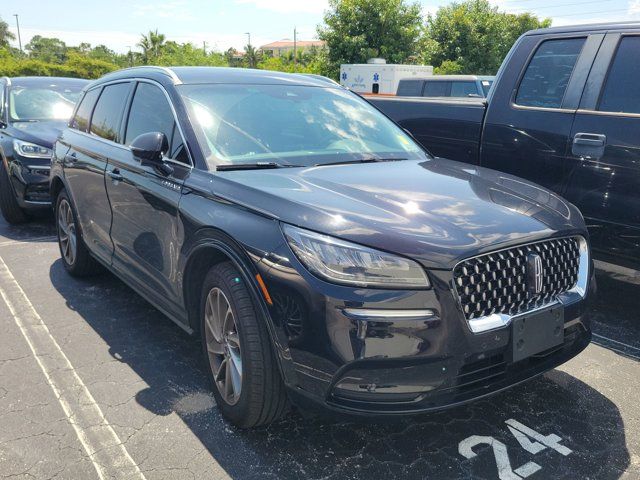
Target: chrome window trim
[
  {"x": 578, "y": 292},
  {"x": 189, "y": 165}
]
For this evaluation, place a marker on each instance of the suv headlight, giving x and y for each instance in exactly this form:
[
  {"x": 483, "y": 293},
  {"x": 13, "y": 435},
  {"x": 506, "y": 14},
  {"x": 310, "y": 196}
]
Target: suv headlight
[
  {"x": 31, "y": 150},
  {"x": 350, "y": 264}
]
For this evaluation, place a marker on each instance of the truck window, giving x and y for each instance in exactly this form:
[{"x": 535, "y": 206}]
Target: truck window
[
  {"x": 621, "y": 91},
  {"x": 410, "y": 88},
  {"x": 547, "y": 76},
  {"x": 464, "y": 89},
  {"x": 436, "y": 89}
]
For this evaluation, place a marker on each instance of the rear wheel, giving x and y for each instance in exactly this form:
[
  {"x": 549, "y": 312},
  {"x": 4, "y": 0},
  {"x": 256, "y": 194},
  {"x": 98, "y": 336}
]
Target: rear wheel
[
  {"x": 243, "y": 369},
  {"x": 11, "y": 211},
  {"x": 75, "y": 255}
]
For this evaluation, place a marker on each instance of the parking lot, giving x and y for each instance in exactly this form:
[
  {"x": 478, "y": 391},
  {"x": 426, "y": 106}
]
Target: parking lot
[{"x": 95, "y": 383}]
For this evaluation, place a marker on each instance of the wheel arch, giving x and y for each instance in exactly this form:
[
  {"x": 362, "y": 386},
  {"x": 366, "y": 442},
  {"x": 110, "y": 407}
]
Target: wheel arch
[{"x": 212, "y": 247}]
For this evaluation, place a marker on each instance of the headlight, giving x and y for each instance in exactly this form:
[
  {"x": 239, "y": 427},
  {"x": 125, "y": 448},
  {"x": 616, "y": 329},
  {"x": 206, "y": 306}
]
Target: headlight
[
  {"x": 31, "y": 150},
  {"x": 347, "y": 263}
]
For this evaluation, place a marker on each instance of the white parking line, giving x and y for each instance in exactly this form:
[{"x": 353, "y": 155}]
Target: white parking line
[
  {"x": 29, "y": 241},
  {"x": 103, "y": 446}
]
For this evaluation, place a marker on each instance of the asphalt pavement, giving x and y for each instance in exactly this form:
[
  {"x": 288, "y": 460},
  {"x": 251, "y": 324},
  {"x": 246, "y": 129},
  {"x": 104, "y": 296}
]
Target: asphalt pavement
[{"x": 96, "y": 384}]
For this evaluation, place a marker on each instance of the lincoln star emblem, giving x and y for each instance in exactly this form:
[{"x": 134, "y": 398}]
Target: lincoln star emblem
[{"x": 534, "y": 273}]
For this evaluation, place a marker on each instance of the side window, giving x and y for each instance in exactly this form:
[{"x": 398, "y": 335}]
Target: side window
[
  {"x": 464, "y": 89},
  {"x": 621, "y": 91},
  {"x": 436, "y": 89},
  {"x": 151, "y": 112},
  {"x": 547, "y": 76},
  {"x": 83, "y": 114},
  {"x": 410, "y": 88},
  {"x": 107, "y": 115}
]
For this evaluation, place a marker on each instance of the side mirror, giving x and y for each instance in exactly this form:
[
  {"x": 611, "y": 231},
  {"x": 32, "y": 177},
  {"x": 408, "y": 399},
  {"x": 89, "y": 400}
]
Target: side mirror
[{"x": 149, "y": 148}]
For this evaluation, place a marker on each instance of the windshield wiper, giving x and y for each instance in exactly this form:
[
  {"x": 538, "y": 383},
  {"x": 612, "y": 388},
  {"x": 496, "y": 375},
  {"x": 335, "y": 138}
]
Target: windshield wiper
[
  {"x": 362, "y": 160},
  {"x": 251, "y": 166}
]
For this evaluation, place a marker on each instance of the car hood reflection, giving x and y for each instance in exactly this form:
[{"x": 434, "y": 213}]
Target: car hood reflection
[{"x": 437, "y": 211}]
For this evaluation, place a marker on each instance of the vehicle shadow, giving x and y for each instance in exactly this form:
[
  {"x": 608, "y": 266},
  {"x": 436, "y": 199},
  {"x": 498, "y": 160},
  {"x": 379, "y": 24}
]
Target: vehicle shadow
[
  {"x": 40, "y": 228},
  {"x": 169, "y": 362},
  {"x": 614, "y": 312}
]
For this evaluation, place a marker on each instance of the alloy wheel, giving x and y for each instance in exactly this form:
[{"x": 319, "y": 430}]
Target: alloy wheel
[
  {"x": 223, "y": 345},
  {"x": 67, "y": 232}
]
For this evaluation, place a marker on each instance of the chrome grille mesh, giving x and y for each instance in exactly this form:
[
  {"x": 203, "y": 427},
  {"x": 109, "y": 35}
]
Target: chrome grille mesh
[{"x": 497, "y": 282}]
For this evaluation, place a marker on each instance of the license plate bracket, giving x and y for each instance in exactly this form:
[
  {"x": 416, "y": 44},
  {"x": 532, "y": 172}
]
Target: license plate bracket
[{"x": 536, "y": 332}]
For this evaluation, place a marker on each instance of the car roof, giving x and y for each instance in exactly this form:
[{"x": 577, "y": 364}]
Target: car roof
[
  {"x": 587, "y": 28},
  {"x": 39, "y": 81},
  {"x": 200, "y": 75}
]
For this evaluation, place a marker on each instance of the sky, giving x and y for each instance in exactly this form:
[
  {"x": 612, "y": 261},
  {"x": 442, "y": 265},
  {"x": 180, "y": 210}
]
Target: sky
[{"x": 224, "y": 23}]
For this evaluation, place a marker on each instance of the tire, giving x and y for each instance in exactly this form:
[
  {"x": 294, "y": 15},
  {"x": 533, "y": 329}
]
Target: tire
[
  {"x": 75, "y": 255},
  {"x": 11, "y": 211},
  {"x": 261, "y": 397}
]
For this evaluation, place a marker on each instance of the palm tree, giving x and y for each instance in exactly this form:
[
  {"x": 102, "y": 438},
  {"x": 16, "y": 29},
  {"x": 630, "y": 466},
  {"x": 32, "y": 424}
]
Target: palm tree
[
  {"x": 251, "y": 56},
  {"x": 5, "y": 34},
  {"x": 151, "y": 45}
]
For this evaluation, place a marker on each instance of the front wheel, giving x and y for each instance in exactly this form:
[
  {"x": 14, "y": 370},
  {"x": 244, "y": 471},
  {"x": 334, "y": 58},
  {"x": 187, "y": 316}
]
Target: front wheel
[
  {"x": 243, "y": 369},
  {"x": 74, "y": 253}
]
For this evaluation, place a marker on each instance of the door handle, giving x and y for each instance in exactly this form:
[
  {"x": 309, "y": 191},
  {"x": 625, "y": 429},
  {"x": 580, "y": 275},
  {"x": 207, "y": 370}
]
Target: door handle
[
  {"x": 589, "y": 145},
  {"x": 115, "y": 175},
  {"x": 71, "y": 157}
]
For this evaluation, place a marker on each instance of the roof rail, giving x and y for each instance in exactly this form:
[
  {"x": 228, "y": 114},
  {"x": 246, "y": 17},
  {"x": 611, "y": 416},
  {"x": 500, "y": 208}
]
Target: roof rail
[{"x": 164, "y": 70}]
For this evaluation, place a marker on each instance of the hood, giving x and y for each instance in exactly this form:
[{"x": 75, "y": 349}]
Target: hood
[
  {"x": 436, "y": 211},
  {"x": 43, "y": 133}
]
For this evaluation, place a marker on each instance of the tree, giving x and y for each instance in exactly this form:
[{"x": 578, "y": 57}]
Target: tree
[
  {"x": 473, "y": 37},
  {"x": 50, "y": 50},
  {"x": 251, "y": 56},
  {"x": 151, "y": 45},
  {"x": 5, "y": 34},
  {"x": 356, "y": 30}
]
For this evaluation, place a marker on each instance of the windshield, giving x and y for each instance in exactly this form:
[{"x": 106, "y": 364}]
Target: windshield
[
  {"x": 291, "y": 125},
  {"x": 45, "y": 102}
]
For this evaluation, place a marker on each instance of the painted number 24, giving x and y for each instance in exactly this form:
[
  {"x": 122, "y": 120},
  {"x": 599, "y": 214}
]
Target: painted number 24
[{"x": 532, "y": 441}]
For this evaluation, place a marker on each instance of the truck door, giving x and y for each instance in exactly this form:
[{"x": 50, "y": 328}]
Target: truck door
[
  {"x": 604, "y": 161},
  {"x": 531, "y": 110}
]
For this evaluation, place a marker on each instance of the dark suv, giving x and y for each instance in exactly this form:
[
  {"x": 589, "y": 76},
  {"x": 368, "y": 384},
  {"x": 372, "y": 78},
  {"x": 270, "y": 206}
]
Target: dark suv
[
  {"x": 33, "y": 112},
  {"x": 322, "y": 256}
]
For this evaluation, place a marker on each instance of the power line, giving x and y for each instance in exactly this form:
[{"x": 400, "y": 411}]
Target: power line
[{"x": 591, "y": 13}]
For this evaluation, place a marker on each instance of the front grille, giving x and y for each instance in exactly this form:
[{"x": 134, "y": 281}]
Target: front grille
[{"x": 497, "y": 282}]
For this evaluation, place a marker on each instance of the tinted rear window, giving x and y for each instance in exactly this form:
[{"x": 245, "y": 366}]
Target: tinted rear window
[
  {"x": 437, "y": 89},
  {"x": 83, "y": 114},
  {"x": 621, "y": 92},
  {"x": 547, "y": 76},
  {"x": 464, "y": 89},
  {"x": 105, "y": 121},
  {"x": 410, "y": 88}
]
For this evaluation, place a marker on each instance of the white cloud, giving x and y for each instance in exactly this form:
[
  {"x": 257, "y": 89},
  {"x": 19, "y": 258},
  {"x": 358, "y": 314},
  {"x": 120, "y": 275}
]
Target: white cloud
[
  {"x": 634, "y": 8},
  {"x": 175, "y": 9},
  {"x": 288, "y": 6}
]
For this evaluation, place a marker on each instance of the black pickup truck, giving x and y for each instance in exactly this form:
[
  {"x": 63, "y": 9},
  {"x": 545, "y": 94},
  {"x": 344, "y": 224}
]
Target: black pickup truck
[{"x": 563, "y": 112}]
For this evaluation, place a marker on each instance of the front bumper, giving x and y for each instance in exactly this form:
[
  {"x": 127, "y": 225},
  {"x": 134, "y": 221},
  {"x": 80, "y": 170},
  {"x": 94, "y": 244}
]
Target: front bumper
[
  {"x": 390, "y": 366},
  {"x": 30, "y": 181}
]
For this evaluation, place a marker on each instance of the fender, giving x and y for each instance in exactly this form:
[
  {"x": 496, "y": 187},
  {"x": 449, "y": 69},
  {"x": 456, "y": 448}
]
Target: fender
[{"x": 213, "y": 238}]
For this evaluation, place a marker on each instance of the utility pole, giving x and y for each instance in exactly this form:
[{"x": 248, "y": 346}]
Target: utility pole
[
  {"x": 18, "y": 25},
  {"x": 295, "y": 49},
  {"x": 204, "y": 46},
  {"x": 248, "y": 34}
]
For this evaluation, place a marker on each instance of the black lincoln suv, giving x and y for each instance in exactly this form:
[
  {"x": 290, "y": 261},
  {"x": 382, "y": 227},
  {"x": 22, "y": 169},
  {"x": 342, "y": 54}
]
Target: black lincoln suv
[
  {"x": 33, "y": 112},
  {"x": 322, "y": 256}
]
